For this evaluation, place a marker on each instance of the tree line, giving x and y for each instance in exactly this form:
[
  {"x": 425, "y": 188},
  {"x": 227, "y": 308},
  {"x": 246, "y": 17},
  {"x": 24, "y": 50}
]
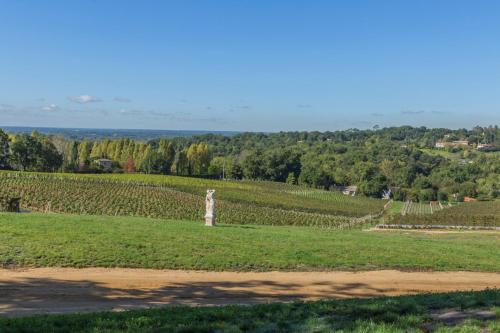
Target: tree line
[{"x": 400, "y": 159}]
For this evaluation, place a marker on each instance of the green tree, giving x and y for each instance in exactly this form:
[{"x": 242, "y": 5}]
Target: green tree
[
  {"x": 223, "y": 167},
  {"x": 198, "y": 156},
  {"x": 25, "y": 152},
  {"x": 180, "y": 167},
  {"x": 4, "y": 151},
  {"x": 48, "y": 159},
  {"x": 291, "y": 179},
  {"x": 96, "y": 151},
  {"x": 426, "y": 195},
  {"x": 166, "y": 156},
  {"x": 148, "y": 160},
  {"x": 253, "y": 165},
  {"x": 70, "y": 157},
  {"x": 84, "y": 153}
]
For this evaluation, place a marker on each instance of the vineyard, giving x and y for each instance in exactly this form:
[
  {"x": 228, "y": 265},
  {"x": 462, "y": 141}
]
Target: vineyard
[
  {"x": 256, "y": 193},
  {"x": 485, "y": 213},
  {"x": 347, "y": 205},
  {"x": 419, "y": 208},
  {"x": 260, "y": 193},
  {"x": 178, "y": 198}
]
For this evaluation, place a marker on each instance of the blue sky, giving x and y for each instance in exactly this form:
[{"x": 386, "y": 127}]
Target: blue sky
[{"x": 249, "y": 65}]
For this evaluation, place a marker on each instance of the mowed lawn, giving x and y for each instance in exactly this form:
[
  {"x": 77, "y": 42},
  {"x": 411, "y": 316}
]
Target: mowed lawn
[{"x": 101, "y": 241}]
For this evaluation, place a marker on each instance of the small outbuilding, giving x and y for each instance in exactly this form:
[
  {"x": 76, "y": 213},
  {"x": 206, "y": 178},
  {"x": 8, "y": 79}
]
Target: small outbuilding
[
  {"x": 486, "y": 147},
  {"x": 347, "y": 190},
  {"x": 10, "y": 204},
  {"x": 104, "y": 163}
]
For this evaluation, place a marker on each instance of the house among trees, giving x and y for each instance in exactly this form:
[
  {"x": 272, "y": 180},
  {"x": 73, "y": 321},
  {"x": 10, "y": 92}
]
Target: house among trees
[
  {"x": 104, "y": 163},
  {"x": 348, "y": 190},
  {"x": 485, "y": 147},
  {"x": 460, "y": 143},
  {"x": 386, "y": 194},
  {"x": 456, "y": 143}
]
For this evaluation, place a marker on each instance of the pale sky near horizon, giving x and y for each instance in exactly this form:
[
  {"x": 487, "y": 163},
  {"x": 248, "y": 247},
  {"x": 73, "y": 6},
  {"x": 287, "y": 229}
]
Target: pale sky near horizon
[{"x": 249, "y": 65}]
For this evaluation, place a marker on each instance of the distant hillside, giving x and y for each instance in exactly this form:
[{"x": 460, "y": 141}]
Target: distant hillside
[{"x": 107, "y": 133}]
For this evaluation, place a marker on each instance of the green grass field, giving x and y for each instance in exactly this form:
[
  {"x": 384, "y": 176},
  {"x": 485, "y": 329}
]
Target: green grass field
[
  {"x": 98, "y": 241},
  {"x": 387, "y": 314},
  {"x": 395, "y": 208},
  {"x": 142, "y": 221}
]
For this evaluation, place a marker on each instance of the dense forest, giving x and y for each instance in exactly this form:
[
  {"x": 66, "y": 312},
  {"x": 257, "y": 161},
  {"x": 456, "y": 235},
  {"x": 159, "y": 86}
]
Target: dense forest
[{"x": 403, "y": 160}]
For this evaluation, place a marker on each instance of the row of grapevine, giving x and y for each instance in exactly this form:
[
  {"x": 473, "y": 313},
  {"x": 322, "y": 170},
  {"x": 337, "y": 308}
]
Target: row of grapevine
[
  {"x": 484, "y": 213},
  {"x": 258, "y": 193},
  {"x": 101, "y": 196},
  {"x": 419, "y": 208},
  {"x": 336, "y": 198}
]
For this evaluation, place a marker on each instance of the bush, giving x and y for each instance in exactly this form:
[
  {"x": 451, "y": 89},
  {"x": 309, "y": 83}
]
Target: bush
[
  {"x": 8, "y": 204},
  {"x": 426, "y": 195},
  {"x": 442, "y": 196}
]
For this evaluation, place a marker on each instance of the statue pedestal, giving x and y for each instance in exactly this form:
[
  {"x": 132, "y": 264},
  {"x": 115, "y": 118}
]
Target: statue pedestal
[{"x": 210, "y": 220}]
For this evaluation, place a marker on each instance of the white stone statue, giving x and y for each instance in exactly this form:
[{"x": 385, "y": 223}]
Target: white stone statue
[{"x": 210, "y": 208}]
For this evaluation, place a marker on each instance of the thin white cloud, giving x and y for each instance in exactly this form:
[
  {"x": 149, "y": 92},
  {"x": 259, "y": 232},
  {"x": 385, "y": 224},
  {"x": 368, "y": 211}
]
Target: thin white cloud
[
  {"x": 126, "y": 112},
  {"x": 412, "y": 112},
  {"x": 84, "y": 99},
  {"x": 50, "y": 108}
]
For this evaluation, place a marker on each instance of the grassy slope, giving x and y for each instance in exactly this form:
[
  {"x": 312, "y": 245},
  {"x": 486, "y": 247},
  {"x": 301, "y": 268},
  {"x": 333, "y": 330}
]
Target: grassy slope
[
  {"x": 85, "y": 241},
  {"x": 395, "y": 208},
  {"x": 387, "y": 314}
]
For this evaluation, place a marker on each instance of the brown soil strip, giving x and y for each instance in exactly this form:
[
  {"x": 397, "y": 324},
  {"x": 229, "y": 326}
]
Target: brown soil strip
[{"x": 66, "y": 290}]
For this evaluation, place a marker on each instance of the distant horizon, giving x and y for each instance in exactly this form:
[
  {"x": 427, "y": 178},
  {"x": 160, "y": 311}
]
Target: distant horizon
[
  {"x": 102, "y": 133},
  {"x": 229, "y": 131},
  {"x": 118, "y": 129}
]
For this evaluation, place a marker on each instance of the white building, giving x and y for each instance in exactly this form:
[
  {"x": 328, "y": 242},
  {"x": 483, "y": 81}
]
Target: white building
[{"x": 104, "y": 163}]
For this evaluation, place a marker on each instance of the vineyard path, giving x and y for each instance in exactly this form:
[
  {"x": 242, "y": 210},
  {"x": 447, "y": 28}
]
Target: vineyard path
[{"x": 66, "y": 290}]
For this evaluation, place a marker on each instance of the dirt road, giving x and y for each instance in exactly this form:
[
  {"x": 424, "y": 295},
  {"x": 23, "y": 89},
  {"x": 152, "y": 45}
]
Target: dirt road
[{"x": 63, "y": 290}]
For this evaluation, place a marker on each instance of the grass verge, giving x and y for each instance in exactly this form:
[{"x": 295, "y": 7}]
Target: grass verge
[
  {"x": 99, "y": 241},
  {"x": 386, "y": 314}
]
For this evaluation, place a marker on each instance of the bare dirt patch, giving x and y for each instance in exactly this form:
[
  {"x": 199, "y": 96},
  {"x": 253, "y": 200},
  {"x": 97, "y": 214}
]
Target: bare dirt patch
[
  {"x": 453, "y": 317},
  {"x": 65, "y": 290}
]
